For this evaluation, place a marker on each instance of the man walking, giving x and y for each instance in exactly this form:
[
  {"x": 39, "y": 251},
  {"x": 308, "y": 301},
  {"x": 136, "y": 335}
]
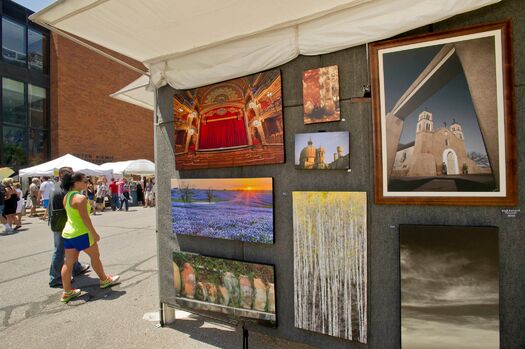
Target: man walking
[
  {"x": 45, "y": 192},
  {"x": 34, "y": 196},
  {"x": 57, "y": 221},
  {"x": 113, "y": 188}
]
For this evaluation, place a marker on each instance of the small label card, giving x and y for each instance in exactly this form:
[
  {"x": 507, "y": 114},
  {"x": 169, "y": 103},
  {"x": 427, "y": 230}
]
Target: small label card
[{"x": 510, "y": 212}]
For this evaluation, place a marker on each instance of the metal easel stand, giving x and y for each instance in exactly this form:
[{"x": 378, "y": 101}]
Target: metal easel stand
[{"x": 245, "y": 335}]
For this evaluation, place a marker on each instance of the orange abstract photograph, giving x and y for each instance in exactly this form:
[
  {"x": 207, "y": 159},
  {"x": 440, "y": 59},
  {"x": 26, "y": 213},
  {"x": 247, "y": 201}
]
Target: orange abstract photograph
[{"x": 321, "y": 95}]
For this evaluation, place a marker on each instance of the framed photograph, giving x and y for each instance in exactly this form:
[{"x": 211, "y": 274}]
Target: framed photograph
[
  {"x": 321, "y": 95},
  {"x": 237, "y": 289},
  {"x": 237, "y": 122},
  {"x": 322, "y": 151},
  {"x": 443, "y": 118},
  {"x": 330, "y": 263},
  {"x": 224, "y": 208},
  {"x": 449, "y": 287}
]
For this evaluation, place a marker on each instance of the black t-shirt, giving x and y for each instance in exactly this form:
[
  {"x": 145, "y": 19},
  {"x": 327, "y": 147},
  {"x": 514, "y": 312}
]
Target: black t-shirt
[
  {"x": 2, "y": 194},
  {"x": 57, "y": 195}
]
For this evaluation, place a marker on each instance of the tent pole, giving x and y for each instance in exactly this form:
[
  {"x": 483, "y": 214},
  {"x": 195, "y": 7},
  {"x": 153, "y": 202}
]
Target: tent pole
[{"x": 155, "y": 150}]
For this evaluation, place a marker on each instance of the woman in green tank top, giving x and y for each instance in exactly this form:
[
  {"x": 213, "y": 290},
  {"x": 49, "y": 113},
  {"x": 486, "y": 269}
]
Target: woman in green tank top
[{"x": 80, "y": 235}]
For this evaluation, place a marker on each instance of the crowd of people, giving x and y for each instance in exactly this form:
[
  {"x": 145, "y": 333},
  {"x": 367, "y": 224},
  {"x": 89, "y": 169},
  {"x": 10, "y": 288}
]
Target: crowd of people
[
  {"x": 117, "y": 194},
  {"x": 68, "y": 201}
]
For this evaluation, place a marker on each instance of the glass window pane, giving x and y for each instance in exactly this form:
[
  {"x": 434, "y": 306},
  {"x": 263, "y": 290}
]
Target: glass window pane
[
  {"x": 13, "y": 42},
  {"x": 13, "y": 98},
  {"x": 14, "y": 147},
  {"x": 36, "y": 45},
  {"x": 38, "y": 145},
  {"x": 37, "y": 106}
]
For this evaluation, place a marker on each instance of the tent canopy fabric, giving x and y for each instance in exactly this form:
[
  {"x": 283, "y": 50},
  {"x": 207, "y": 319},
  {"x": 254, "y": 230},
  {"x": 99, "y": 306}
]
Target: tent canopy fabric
[
  {"x": 137, "y": 93},
  {"x": 131, "y": 167},
  {"x": 77, "y": 164},
  {"x": 190, "y": 44}
]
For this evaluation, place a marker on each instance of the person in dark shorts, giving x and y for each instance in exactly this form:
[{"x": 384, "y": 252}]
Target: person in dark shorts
[
  {"x": 10, "y": 203},
  {"x": 3, "y": 220}
]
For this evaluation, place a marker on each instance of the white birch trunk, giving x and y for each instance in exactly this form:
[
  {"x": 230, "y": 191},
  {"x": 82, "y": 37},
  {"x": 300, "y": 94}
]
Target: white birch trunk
[{"x": 330, "y": 263}]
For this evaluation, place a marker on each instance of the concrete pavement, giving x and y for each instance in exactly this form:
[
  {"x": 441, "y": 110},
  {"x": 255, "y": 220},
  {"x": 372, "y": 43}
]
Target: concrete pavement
[{"x": 31, "y": 315}]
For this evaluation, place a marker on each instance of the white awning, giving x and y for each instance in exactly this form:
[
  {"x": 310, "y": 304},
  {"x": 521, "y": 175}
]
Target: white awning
[
  {"x": 137, "y": 93},
  {"x": 193, "y": 43},
  {"x": 131, "y": 167},
  {"x": 68, "y": 160}
]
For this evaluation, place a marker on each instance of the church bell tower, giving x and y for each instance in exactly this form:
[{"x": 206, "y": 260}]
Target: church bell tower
[
  {"x": 425, "y": 122},
  {"x": 457, "y": 130}
]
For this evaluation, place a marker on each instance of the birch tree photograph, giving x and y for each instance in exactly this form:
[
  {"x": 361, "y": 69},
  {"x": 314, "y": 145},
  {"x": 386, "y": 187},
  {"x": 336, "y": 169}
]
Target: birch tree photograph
[{"x": 330, "y": 263}]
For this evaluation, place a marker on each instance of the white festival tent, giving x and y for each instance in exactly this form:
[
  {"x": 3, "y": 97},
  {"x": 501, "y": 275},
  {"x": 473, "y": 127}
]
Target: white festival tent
[
  {"x": 193, "y": 43},
  {"x": 131, "y": 167},
  {"x": 77, "y": 164}
]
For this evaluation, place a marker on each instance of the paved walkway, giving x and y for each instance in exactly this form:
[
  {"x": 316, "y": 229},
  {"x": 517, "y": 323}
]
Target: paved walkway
[{"x": 31, "y": 315}]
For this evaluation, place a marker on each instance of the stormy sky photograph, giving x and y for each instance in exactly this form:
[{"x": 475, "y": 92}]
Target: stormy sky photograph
[{"x": 449, "y": 287}]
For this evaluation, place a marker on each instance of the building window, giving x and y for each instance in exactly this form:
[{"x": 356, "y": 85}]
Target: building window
[
  {"x": 37, "y": 106},
  {"x": 24, "y": 143},
  {"x": 13, "y": 42},
  {"x": 14, "y": 109},
  {"x": 428, "y": 127},
  {"x": 446, "y": 142},
  {"x": 38, "y": 146},
  {"x": 36, "y": 50},
  {"x": 14, "y": 146}
]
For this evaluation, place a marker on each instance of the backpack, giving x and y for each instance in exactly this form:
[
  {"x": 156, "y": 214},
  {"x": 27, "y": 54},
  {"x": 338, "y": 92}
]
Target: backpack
[{"x": 57, "y": 212}]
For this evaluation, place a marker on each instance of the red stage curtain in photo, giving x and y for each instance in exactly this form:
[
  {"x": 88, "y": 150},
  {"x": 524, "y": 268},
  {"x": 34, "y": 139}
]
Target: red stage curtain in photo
[{"x": 222, "y": 134}]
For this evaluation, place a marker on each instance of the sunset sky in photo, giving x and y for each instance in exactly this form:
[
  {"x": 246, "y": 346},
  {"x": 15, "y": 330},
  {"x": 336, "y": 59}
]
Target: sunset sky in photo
[{"x": 225, "y": 184}]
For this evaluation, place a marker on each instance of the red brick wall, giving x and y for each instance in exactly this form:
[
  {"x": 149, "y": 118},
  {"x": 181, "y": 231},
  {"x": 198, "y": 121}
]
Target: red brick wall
[{"x": 85, "y": 121}]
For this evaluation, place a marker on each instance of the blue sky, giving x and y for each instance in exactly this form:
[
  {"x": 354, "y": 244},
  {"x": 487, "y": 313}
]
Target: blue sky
[
  {"x": 452, "y": 102},
  {"x": 34, "y": 5}
]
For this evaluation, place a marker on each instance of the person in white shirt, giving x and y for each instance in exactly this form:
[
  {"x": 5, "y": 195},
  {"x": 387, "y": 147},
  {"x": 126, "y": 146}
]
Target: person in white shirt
[
  {"x": 45, "y": 191},
  {"x": 19, "y": 205}
]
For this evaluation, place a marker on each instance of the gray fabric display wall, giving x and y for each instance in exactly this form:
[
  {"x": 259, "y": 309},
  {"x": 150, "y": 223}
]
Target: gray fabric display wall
[{"x": 383, "y": 220}]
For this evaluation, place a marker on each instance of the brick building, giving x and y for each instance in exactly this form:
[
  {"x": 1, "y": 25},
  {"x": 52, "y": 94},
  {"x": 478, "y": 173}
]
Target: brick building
[
  {"x": 55, "y": 99},
  {"x": 84, "y": 120}
]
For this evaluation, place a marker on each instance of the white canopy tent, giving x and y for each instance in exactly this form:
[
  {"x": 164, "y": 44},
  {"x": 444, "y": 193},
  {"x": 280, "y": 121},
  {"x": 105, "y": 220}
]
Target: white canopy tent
[
  {"x": 77, "y": 164},
  {"x": 190, "y": 44},
  {"x": 131, "y": 167}
]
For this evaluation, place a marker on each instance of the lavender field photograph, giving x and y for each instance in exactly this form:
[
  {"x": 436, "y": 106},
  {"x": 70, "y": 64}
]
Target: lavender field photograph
[{"x": 233, "y": 208}]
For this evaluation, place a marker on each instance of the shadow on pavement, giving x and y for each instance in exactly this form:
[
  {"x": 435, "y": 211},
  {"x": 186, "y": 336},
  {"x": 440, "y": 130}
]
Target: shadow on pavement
[
  {"x": 223, "y": 336},
  {"x": 211, "y": 333},
  {"x": 91, "y": 286}
]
